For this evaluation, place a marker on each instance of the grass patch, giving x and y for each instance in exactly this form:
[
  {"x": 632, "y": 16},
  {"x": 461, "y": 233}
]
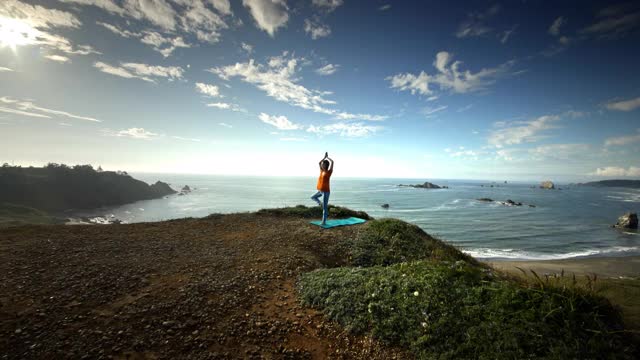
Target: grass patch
[
  {"x": 15, "y": 215},
  {"x": 336, "y": 212},
  {"x": 624, "y": 293},
  {"x": 452, "y": 310},
  {"x": 391, "y": 241}
]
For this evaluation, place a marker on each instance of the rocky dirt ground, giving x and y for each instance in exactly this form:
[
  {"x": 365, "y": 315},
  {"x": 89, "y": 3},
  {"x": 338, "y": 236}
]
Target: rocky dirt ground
[{"x": 216, "y": 288}]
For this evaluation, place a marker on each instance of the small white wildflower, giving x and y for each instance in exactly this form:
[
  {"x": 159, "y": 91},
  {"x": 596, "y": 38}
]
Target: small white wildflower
[
  {"x": 424, "y": 324},
  {"x": 415, "y": 293}
]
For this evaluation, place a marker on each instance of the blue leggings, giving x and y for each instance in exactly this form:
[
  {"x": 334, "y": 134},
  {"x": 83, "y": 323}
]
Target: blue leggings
[{"x": 324, "y": 204}]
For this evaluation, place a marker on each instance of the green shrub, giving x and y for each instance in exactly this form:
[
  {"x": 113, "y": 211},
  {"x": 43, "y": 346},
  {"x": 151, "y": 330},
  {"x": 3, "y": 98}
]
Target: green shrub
[
  {"x": 391, "y": 241},
  {"x": 459, "y": 310},
  {"x": 336, "y": 212}
]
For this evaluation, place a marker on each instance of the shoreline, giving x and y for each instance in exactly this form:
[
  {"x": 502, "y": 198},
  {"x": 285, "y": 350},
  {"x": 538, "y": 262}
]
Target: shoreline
[{"x": 604, "y": 267}]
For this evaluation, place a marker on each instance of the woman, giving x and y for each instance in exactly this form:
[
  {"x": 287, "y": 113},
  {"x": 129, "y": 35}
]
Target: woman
[{"x": 326, "y": 169}]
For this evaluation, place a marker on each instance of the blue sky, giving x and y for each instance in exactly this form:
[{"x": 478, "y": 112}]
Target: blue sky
[{"x": 469, "y": 90}]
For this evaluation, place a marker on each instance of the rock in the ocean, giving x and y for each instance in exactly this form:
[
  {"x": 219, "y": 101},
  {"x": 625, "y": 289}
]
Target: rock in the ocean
[
  {"x": 547, "y": 185},
  {"x": 385, "y": 206},
  {"x": 628, "y": 221},
  {"x": 186, "y": 188},
  {"x": 485, "y": 199},
  {"x": 426, "y": 185}
]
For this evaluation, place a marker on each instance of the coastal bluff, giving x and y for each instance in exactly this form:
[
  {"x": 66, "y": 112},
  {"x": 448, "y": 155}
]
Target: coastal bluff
[
  {"x": 58, "y": 187},
  {"x": 270, "y": 285}
]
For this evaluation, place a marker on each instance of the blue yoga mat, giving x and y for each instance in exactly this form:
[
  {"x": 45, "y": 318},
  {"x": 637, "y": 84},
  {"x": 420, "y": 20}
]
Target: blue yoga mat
[{"x": 338, "y": 222}]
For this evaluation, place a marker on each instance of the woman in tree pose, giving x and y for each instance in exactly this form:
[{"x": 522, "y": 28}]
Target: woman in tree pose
[{"x": 326, "y": 169}]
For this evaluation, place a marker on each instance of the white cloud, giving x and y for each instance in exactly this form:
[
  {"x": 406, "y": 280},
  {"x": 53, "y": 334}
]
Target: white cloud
[
  {"x": 465, "y": 108},
  {"x": 622, "y": 140},
  {"x": 227, "y": 106},
  {"x": 615, "y": 21},
  {"x": 384, "y": 7},
  {"x": 118, "y": 71},
  {"x": 58, "y": 58},
  {"x": 158, "y": 12},
  {"x": 296, "y": 139},
  {"x": 116, "y": 30},
  {"x": 38, "y": 16},
  {"x": 28, "y": 108},
  {"x": 626, "y": 105},
  {"x": 448, "y": 78},
  {"x": 269, "y": 15},
  {"x": 186, "y": 139},
  {"x": 506, "y": 35},
  {"x": 20, "y": 112},
  {"x": 31, "y": 24},
  {"x": 316, "y": 29},
  {"x": 223, "y": 6},
  {"x": 368, "y": 117},
  {"x": 169, "y": 72},
  {"x": 507, "y": 154},
  {"x": 475, "y": 24},
  {"x": 225, "y": 125},
  {"x": 281, "y": 122},
  {"x": 432, "y": 110},
  {"x": 616, "y": 171},
  {"x": 328, "y": 5},
  {"x": 246, "y": 47},
  {"x": 3, "y": 69},
  {"x": 133, "y": 133},
  {"x": 522, "y": 132},
  {"x": 108, "y": 5},
  {"x": 554, "y": 29},
  {"x": 191, "y": 16},
  {"x": 278, "y": 80},
  {"x": 141, "y": 71},
  {"x": 468, "y": 154},
  {"x": 559, "y": 151},
  {"x": 209, "y": 90},
  {"x": 353, "y": 130},
  {"x": 163, "y": 44},
  {"x": 328, "y": 69}
]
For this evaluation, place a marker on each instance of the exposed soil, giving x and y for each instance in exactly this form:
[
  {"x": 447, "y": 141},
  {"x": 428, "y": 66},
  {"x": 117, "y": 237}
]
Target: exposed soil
[{"x": 218, "y": 287}]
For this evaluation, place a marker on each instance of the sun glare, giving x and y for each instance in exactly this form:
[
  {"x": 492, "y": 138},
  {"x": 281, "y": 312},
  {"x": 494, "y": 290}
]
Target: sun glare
[{"x": 14, "y": 33}]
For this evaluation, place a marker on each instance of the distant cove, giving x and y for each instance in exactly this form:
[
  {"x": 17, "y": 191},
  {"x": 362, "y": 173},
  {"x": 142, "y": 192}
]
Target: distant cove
[
  {"x": 57, "y": 188},
  {"x": 635, "y": 184}
]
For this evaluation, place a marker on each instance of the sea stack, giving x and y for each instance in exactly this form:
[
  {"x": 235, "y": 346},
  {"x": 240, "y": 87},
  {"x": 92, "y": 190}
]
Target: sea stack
[
  {"x": 627, "y": 221},
  {"x": 547, "y": 185},
  {"x": 426, "y": 185}
]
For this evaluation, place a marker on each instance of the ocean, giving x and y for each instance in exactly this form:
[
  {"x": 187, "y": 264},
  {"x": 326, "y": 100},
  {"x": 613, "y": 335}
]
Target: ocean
[{"x": 572, "y": 222}]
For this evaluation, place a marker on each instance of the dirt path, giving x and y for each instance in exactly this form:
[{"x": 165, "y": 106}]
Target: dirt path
[{"x": 219, "y": 287}]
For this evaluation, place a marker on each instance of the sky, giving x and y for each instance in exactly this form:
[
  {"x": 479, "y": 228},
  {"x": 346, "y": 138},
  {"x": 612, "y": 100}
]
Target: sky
[{"x": 511, "y": 90}]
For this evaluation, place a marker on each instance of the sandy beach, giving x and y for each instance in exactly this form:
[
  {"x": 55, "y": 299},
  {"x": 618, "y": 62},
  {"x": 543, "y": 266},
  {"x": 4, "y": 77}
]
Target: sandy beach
[{"x": 604, "y": 267}]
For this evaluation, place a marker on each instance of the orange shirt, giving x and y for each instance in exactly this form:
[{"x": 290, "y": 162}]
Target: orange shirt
[{"x": 323, "y": 180}]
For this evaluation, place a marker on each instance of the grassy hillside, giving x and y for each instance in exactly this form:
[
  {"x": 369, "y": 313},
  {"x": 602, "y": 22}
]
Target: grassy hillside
[
  {"x": 12, "y": 215},
  {"x": 415, "y": 291}
]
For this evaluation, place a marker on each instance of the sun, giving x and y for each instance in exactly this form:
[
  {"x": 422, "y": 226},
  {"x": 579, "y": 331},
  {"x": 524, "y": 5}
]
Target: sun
[{"x": 14, "y": 33}]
